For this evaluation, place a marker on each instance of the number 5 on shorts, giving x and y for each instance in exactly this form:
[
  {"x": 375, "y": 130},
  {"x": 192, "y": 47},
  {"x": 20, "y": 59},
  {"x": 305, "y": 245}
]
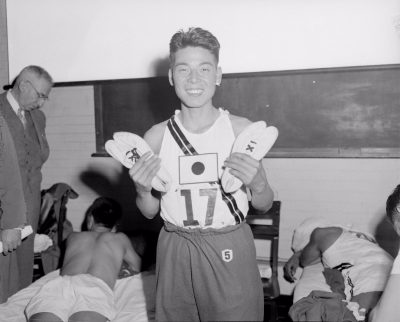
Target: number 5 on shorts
[{"x": 227, "y": 255}]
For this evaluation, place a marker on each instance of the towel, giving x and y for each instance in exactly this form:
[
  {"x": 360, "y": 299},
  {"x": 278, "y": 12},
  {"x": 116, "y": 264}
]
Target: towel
[
  {"x": 127, "y": 148},
  {"x": 321, "y": 306},
  {"x": 255, "y": 140},
  {"x": 301, "y": 235},
  {"x": 41, "y": 243}
]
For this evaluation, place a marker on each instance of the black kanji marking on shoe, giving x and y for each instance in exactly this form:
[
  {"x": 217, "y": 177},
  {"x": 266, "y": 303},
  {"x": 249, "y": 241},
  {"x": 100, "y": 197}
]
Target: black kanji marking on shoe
[
  {"x": 135, "y": 155},
  {"x": 250, "y": 148}
]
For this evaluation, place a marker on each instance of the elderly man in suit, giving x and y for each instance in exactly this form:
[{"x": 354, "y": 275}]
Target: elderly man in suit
[{"x": 23, "y": 151}]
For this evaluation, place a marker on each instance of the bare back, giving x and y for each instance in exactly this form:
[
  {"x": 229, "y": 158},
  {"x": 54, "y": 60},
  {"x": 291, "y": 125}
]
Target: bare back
[{"x": 99, "y": 254}]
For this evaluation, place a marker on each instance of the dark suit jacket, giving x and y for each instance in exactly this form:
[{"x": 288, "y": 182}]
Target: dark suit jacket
[
  {"x": 16, "y": 269},
  {"x": 11, "y": 190}
]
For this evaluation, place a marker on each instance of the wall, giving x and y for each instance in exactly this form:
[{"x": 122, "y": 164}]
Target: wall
[
  {"x": 341, "y": 190},
  {"x": 126, "y": 40}
]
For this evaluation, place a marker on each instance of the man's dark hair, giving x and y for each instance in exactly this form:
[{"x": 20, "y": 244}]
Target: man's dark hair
[
  {"x": 194, "y": 37},
  {"x": 392, "y": 204},
  {"x": 106, "y": 211}
]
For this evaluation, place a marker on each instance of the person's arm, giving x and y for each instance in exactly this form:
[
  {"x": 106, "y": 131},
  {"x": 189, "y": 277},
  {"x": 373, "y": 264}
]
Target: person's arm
[
  {"x": 251, "y": 172},
  {"x": 312, "y": 253},
  {"x": 12, "y": 202},
  {"x": 130, "y": 256},
  {"x": 143, "y": 172},
  {"x": 291, "y": 266},
  {"x": 386, "y": 309},
  {"x": 262, "y": 195},
  {"x": 11, "y": 239}
]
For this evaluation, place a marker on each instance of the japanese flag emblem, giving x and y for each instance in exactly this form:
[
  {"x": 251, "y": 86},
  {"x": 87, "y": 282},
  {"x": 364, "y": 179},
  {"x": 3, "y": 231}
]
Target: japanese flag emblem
[{"x": 227, "y": 255}]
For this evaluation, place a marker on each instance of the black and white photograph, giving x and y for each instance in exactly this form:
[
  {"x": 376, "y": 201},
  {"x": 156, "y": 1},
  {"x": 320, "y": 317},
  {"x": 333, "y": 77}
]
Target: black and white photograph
[{"x": 214, "y": 160}]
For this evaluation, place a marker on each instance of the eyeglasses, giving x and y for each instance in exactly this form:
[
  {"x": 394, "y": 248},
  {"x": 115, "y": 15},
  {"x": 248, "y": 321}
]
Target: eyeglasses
[{"x": 40, "y": 95}]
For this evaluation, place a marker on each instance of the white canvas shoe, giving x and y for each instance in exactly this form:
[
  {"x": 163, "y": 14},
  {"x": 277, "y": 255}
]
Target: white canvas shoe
[
  {"x": 127, "y": 148},
  {"x": 255, "y": 140},
  {"x": 116, "y": 152}
]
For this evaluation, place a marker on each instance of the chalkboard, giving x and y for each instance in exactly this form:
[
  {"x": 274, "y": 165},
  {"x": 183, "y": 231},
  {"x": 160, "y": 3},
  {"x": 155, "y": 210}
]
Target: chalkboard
[{"x": 323, "y": 113}]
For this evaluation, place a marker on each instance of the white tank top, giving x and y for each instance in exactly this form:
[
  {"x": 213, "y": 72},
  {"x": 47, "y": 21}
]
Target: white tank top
[
  {"x": 354, "y": 248},
  {"x": 200, "y": 205},
  {"x": 364, "y": 265}
]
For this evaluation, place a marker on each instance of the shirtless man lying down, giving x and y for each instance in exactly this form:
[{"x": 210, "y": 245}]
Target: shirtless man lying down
[{"x": 93, "y": 259}]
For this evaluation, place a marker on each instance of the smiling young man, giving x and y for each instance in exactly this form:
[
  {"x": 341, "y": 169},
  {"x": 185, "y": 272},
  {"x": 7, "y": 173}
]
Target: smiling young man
[
  {"x": 206, "y": 259},
  {"x": 23, "y": 151}
]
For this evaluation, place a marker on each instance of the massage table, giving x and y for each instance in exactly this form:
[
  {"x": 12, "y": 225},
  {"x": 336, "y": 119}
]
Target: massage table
[{"x": 134, "y": 297}]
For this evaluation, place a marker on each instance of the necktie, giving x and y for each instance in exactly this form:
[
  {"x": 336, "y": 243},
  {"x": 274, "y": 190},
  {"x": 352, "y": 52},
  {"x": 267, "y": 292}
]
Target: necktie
[{"x": 22, "y": 117}]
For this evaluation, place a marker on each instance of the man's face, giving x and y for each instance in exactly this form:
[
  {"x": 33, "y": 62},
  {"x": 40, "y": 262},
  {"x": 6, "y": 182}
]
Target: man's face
[
  {"x": 33, "y": 93},
  {"x": 194, "y": 75}
]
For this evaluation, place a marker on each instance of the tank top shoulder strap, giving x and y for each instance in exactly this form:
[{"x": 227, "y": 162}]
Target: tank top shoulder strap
[
  {"x": 224, "y": 112},
  {"x": 226, "y": 119}
]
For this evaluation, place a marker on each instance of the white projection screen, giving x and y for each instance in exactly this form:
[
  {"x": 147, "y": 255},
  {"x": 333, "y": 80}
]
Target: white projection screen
[{"x": 89, "y": 40}]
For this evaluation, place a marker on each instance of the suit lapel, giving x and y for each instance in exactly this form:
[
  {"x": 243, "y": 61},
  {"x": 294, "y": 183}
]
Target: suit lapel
[
  {"x": 3, "y": 102},
  {"x": 39, "y": 125}
]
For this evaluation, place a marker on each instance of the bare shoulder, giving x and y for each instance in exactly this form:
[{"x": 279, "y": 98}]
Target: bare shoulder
[
  {"x": 323, "y": 233},
  {"x": 125, "y": 241},
  {"x": 238, "y": 123},
  {"x": 79, "y": 237},
  {"x": 121, "y": 236},
  {"x": 72, "y": 236},
  {"x": 325, "y": 237},
  {"x": 154, "y": 136}
]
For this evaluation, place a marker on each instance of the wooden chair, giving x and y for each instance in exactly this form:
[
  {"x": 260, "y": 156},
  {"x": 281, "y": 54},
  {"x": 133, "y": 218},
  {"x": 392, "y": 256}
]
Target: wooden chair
[
  {"x": 268, "y": 232},
  {"x": 53, "y": 222}
]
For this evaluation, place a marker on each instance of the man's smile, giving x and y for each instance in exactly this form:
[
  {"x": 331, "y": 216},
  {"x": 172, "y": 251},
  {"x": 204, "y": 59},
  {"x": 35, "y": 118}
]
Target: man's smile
[{"x": 195, "y": 91}]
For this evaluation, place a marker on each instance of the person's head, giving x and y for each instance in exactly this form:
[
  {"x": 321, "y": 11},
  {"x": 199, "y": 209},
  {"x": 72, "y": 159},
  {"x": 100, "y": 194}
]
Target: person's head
[
  {"x": 393, "y": 209},
  {"x": 104, "y": 212},
  {"x": 194, "y": 37},
  {"x": 32, "y": 87},
  {"x": 194, "y": 71}
]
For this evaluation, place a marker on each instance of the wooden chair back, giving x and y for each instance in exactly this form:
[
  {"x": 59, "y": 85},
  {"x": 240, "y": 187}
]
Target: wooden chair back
[{"x": 265, "y": 225}]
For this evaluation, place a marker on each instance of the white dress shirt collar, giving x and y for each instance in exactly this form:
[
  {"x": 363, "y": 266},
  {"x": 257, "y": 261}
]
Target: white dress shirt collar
[{"x": 14, "y": 104}]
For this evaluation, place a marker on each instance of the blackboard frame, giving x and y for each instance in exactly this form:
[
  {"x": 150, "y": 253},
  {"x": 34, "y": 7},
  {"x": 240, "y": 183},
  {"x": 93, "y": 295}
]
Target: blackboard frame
[{"x": 291, "y": 152}]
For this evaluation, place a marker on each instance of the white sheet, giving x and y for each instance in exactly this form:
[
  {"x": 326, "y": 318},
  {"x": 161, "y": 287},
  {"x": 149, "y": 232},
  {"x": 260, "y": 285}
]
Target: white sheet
[
  {"x": 135, "y": 299},
  {"x": 312, "y": 279}
]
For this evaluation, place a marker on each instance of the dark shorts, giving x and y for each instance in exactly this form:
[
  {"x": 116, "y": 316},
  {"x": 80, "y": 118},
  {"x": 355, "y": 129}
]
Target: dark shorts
[{"x": 208, "y": 275}]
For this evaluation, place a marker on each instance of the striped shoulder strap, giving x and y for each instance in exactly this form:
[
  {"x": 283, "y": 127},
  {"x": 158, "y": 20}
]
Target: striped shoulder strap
[
  {"x": 188, "y": 149},
  {"x": 180, "y": 138}
]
